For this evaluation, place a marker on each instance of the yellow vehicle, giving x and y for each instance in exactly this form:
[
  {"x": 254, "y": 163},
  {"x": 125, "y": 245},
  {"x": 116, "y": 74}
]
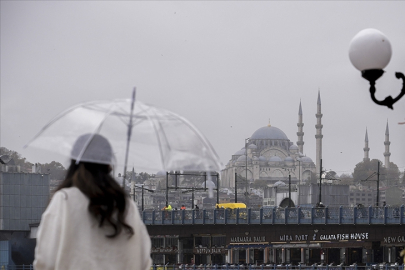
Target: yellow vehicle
[
  {"x": 232, "y": 209},
  {"x": 230, "y": 205}
]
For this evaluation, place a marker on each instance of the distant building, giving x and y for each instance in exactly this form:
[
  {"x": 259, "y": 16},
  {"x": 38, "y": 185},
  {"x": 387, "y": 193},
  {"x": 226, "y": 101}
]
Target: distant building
[
  {"x": 333, "y": 195},
  {"x": 23, "y": 199},
  {"x": 359, "y": 195},
  {"x": 270, "y": 156}
]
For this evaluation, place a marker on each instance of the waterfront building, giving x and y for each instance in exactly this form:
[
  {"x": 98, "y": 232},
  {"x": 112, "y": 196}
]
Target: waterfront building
[
  {"x": 304, "y": 235},
  {"x": 23, "y": 199}
]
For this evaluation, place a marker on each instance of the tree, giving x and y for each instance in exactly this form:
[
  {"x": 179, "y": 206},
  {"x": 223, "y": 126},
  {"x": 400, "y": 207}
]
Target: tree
[
  {"x": 259, "y": 184},
  {"x": 192, "y": 179},
  {"x": 55, "y": 169},
  {"x": 364, "y": 169},
  {"x": 346, "y": 179},
  {"x": 391, "y": 176},
  {"x": 25, "y": 166}
]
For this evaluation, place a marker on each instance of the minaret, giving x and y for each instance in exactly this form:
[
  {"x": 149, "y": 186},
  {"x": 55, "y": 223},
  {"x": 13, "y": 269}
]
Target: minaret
[
  {"x": 387, "y": 143},
  {"x": 318, "y": 135},
  {"x": 366, "y": 148},
  {"x": 300, "y": 133}
]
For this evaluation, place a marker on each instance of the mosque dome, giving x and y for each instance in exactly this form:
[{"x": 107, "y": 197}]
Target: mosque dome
[
  {"x": 240, "y": 152},
  {"x": 268, "y": 133},
  {"x": 306, "y": 160},
  {"x": 279, "y": 184},
  {"x": 243, "y": 158},
  {"x": 293, "y": 147},
  {"x": 275, "y": 159},
  {"x": 289, "y": 159},
  {"x": 255, "y": 158},
  {"x": 241, "y": 161},
  {"x": 252, "y": 146},
  {"x": 262, "y": 158}
]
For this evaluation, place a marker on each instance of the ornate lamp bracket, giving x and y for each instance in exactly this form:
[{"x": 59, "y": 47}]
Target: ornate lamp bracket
[{"x": 372, "y": 75}]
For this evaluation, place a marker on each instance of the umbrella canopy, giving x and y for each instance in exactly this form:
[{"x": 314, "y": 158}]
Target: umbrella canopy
[{"x": 160, "y": 139}]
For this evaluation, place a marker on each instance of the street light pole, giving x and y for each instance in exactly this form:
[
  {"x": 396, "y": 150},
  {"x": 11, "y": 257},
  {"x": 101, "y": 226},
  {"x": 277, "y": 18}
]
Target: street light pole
[
  {"x": 246, "y": 192},
  {"x": 320, "y": 182},
  {"x": 236, "y": 187},
  {"x": 299, "y": 181},
  {"x": 289, "y": 189},
  {"x": 378, "y": 183}
]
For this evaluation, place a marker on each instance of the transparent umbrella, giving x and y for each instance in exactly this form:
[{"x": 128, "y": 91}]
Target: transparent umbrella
[{"x": 148, "y": 138}]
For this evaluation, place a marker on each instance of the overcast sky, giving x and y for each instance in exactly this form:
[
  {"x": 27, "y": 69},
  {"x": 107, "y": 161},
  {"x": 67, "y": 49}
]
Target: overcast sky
[{"x": 227, "y": 66}]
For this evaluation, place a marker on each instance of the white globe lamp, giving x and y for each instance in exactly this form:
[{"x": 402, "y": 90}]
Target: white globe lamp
[{"x": 370, "y": 52}]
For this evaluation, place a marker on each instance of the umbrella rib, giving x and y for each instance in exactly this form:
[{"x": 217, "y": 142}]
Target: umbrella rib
[
  {"x": 199, "y": 134},
  {"x": 57, "y": 117},
  {"x": 148, "y": 116}
]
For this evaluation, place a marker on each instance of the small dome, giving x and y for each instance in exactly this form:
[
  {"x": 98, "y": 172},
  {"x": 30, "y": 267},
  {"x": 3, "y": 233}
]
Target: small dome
[
  {"x": 279, "y": 184},
  {"x": 293, "y": 147},
  {"x": 240, "y": 152},
  {"x": 269, "y": 133},
  {"x": 243, "y": 159},
  {"x": 275, "y": 159},
  {"x": 252, "y": 146},
  {"x": 306, "y": 160},
  {"x": 262, "y": 158},
  {"x": 289, "y": 159},
  {"x": 255, "y": 158}
]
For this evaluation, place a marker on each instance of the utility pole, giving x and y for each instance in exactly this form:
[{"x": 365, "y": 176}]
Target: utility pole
[
  {"x": 247, "y": 182},
  {"x": 217, "y": 188},
  {"x": 236, "y": 187},
  {"x": 289, "y": 190},
  {"x": 167, "y": 188},
  {"x": 320, "y": 182},
  {"x": 378, "y": 182}
]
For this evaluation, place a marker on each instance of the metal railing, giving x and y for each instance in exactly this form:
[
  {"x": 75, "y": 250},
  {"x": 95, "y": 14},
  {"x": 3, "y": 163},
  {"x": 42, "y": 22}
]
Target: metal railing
[
  {"x": 274, "y": 267},
  {"x": 276, "y": 215},
  {"x": 16, "y": 267}
]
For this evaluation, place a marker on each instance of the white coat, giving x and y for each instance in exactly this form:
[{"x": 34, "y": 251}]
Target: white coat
[{"x": 69, "y": 237}]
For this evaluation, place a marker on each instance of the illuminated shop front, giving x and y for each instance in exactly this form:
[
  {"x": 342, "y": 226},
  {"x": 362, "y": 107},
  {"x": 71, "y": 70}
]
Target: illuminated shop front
[{"x": 279, "y": 244}]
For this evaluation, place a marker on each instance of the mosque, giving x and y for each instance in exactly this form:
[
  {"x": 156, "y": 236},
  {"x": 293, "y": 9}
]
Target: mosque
[{"x": 272, "y": 157}]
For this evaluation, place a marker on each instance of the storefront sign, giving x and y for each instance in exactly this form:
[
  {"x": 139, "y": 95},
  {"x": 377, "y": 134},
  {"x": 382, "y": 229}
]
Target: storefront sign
[
  {"x": 324, "y": 237},
  {"x": 394, "y": 239},
  {"x": 164, "y": 250},
  {"x": 209, "y": 250},
  {"x": 296, "y": 237},
  {"x": 248, "y": 239},
  {"x": 344, "y": 236}
]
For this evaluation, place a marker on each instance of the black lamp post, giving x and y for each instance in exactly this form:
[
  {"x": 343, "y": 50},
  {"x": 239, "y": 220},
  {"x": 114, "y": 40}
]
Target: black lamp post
[
  {"x": 246, "y": 169},
  {"x": 370, "y": 52}
]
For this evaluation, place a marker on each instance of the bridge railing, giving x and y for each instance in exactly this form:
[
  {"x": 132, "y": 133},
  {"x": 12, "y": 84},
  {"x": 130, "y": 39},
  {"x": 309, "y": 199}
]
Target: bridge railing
[
  {"x": 277, "y": 215},
  {"x": 273, "y": 267}
]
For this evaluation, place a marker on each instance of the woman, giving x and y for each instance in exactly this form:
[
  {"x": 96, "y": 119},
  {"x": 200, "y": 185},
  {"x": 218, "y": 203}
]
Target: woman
[{"x": 90, "y": 223}]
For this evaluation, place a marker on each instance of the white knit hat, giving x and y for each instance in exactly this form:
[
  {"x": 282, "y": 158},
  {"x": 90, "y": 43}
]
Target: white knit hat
[{"x": 92, "y": 148}]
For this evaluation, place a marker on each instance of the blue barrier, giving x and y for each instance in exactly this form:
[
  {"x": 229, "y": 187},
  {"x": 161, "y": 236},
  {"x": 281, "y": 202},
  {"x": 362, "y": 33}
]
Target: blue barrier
[{"x": 276, "y": 215}]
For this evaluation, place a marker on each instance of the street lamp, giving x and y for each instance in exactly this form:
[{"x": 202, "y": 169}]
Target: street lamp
[
  {"x": 289, "y": 185},
  {"x": 370, "y": 52},
  {"x": 246, "y": 153},
  {"x": 299, "y": 180}
]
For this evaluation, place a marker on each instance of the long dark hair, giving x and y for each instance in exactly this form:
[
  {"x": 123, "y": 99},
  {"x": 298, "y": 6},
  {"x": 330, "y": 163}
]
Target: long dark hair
[{"x": 105, "y": 194}]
